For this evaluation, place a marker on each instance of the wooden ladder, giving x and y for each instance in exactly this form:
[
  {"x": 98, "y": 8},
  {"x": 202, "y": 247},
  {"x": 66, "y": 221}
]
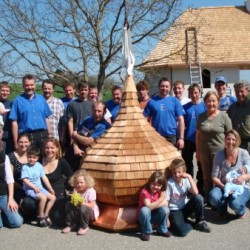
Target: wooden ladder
[{"x": 195, "y": 71}]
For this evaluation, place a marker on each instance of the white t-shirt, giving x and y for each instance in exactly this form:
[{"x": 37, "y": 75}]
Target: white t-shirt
[{"x": 176, "y": 194}]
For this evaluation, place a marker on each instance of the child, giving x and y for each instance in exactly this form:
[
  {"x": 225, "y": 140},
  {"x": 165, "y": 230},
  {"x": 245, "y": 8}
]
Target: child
[
  {"x": 31, "y": 174},
  {"x": 153, "y": 207},
  {"x": 81, "y": 214},
  {"x": 179, "y": 184},
  {"x": 231, "y": 187}
]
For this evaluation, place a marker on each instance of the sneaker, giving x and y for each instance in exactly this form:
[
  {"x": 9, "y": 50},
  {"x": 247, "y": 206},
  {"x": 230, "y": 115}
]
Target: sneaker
[
  {"x": 48, "y": 221},
  {"x": 203, "y": 227},
  {"x": 145, "y": 237},
  {"x": 167, "y": 234},
  {"x": 82, "y": 231},
  {"x": 41, "y": 222},
  {"x": 66, "y": 230}
]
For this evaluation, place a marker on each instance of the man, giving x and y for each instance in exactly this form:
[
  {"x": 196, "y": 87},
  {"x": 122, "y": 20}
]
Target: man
[
  {"x": 192, "y": 110},
  {"x": 7, "y": 135},
  {"x": 114, "y": 104},
  {"x": 239, "y": 113},
  {"x": 93, "y": 96},
  {"x": 80, "y": 108},
  {"x": 56, "y": 107},
  {"x": 93, "y": 93},
  {"x": 221, "y": 87},
  {"x": 30, "y": 114},
  {"x": 69, "y": 91},
  {"x": 164, "y": 111},
  {"x": 179, "y": 88},
  {"x": 91, "y": 128},
  {"x": 142, "y": 88}
]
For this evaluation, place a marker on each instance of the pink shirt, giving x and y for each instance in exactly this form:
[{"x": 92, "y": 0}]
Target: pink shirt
[
  {"x": 144, "y": 194},
  {"x": 90, "y": 195}
]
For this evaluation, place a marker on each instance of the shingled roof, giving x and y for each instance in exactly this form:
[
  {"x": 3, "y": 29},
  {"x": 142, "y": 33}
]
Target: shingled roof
[{"x": 223, "y": 35}]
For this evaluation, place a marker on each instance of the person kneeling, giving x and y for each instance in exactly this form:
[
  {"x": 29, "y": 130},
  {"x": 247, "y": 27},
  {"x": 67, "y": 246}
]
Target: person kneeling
[{"x": 179, "y": 184}]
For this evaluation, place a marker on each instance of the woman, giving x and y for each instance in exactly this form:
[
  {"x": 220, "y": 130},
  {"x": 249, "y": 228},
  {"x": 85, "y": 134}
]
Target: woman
[
  {"x": 226, "y": 160},
  {"x": 210, "y": 133},
  {"x": 8, "y": 207},
  {"x": 58, "y": 171},
  {"x": 17, "y": 159}
]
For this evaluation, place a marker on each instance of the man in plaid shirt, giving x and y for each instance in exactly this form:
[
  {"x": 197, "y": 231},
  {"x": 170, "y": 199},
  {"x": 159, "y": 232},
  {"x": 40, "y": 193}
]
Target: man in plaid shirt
[{"x": 56, "y": 107}]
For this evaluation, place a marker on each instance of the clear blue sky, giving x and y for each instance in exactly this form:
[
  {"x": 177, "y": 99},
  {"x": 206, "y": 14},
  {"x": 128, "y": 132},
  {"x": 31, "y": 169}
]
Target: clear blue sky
[{"x": 244, "y": 74}]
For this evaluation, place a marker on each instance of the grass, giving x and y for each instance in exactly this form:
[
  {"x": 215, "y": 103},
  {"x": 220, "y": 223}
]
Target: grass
[{"x": 17, "y": 89}]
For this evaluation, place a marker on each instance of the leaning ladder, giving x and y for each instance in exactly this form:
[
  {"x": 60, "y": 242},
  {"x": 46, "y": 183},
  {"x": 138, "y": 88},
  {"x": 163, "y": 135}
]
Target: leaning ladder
[{"x": 193, "y": 57}]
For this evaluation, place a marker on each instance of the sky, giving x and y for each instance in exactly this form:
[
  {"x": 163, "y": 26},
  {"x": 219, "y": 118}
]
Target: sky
[{"x": 244, "y": 74}]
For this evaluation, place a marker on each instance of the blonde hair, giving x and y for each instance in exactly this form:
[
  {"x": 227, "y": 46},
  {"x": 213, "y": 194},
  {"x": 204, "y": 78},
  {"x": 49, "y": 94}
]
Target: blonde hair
[
  {"x": 237, "y": 136},
  {"x": 178, "y": 163},
  {"x": 210, "y": 93},
  {"x": 55, "y": 143},
  {"x": 82, "y": 173}
]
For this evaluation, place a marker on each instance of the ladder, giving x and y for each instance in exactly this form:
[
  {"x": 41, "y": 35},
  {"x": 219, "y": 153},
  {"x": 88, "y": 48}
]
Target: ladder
[{"x": 195, "y": 71}]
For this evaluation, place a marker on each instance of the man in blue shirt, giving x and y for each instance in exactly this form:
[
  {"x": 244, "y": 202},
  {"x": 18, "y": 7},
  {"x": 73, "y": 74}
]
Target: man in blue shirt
[
  {"x": 91, "y": 128},
  {"x": 221, "y": 87},
  {"x": 114, "y": 104},
  {"x": 164, "y": 111},
  {"x": 30, "y": 113}
]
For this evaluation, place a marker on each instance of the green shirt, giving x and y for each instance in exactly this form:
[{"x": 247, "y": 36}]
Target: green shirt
[
  {"x": 240, "y": 117},
  {"x": 212, "y": 131}
]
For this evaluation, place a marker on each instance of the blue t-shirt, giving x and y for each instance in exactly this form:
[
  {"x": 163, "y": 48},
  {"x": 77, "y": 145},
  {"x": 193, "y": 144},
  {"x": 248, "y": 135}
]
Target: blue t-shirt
[
  {"x": 88, "y": 127},
  {"x": 225, "y": 102},
  {"x": 33, "y": 174},
  {"x": 30, "y": 114},
  {"x": 66, "y": 101},
  {"x": 164, "y": 113},
  {"x": 113, "y": 108},
  {"x": 191, "y": 113}
]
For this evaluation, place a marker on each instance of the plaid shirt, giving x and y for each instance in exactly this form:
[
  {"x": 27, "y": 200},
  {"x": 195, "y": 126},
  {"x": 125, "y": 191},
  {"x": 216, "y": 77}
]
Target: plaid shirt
[{"x": 57, "y": 109}]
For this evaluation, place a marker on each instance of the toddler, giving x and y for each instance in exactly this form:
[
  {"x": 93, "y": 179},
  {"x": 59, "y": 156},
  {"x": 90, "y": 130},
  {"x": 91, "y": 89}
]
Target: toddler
[
  {"x": 31, "y": 174},
  {"x": 80, "y": 214}
]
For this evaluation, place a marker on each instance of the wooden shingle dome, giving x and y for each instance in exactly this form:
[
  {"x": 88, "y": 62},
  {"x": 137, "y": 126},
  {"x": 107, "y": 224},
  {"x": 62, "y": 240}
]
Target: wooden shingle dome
[{"x": 122, "y": 160}]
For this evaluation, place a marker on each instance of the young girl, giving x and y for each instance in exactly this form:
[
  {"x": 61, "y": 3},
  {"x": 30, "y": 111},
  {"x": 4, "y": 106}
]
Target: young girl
[
  {"x": 153, "y": 207},
  {"x": 31, "y": 174},
  {"x": 83, "y": 213},
  {"x": 179, "y": 184}
]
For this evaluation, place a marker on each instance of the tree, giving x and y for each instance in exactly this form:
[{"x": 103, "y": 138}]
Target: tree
[{"x": 79, "y": 37}]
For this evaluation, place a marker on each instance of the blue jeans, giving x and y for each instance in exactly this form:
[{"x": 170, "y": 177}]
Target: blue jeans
[
  {"x": 11, "y": 219},
  {"x": 178, "y": 218},
  {"x": 157, "y": 217},
  {"x": 237, "y": 204}
]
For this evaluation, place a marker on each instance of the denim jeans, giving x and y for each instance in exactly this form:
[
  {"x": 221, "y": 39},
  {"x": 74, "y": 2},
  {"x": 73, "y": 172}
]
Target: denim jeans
[
  {"x": 237, "y": 204},
  {"x": 11, "y": 219},
  {"x": 157, "y": 217},
  {"x": 178, "y": 218}
]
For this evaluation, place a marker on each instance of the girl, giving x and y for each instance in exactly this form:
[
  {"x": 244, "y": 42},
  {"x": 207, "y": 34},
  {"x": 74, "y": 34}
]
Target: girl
[
  {"x": 82, "y": 214},
  {"x": 153, "y": 207},
  {"x": 179, "y": 184}
]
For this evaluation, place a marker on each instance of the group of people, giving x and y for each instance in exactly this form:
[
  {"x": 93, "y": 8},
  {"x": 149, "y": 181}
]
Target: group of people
[
  {"x": 216, "y": 128},
  {"x": 44, "y": 139}
]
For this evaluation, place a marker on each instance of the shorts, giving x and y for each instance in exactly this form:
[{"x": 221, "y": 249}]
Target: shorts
[{"x": 33, "y": 194}]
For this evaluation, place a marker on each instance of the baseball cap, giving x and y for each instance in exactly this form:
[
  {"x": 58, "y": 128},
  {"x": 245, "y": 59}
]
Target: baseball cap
[{"x": 220, "y": 79}]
